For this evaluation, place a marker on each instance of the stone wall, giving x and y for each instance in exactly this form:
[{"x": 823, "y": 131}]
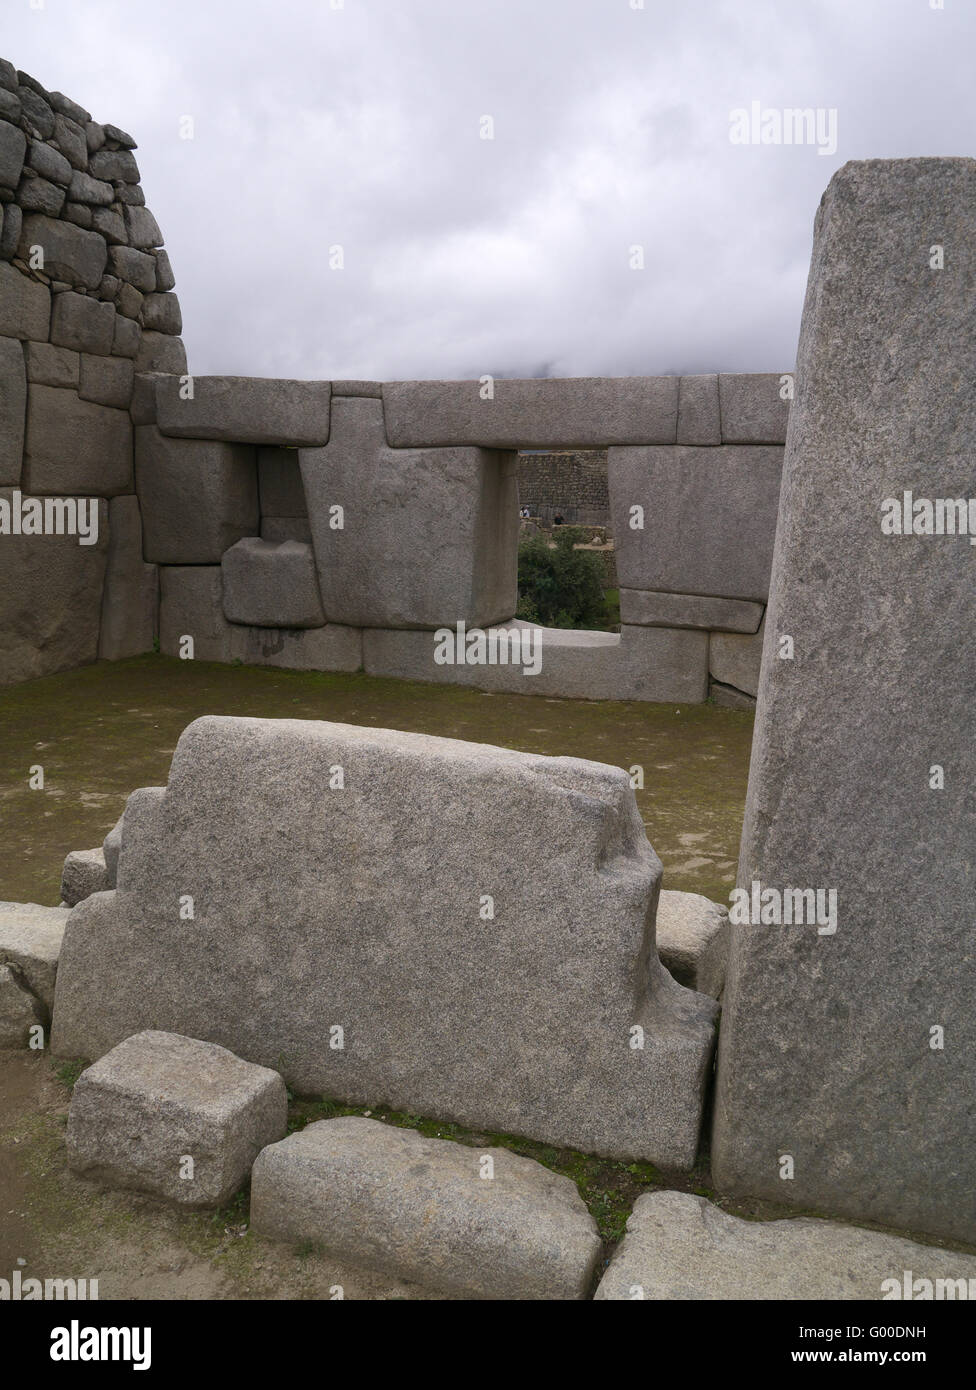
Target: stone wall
[
  {"x": 335, "y": 525},
  {"x": 85, "y": 306},
  {"x": 572, "y": 484}
]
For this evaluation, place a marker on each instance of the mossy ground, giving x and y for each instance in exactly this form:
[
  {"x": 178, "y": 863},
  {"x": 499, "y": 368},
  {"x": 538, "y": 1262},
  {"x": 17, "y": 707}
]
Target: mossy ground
[{"x": 103, "y": 730}]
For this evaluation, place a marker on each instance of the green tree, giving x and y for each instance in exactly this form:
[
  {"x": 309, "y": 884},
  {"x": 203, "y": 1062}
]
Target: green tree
[{"x": 559, "y": 586}]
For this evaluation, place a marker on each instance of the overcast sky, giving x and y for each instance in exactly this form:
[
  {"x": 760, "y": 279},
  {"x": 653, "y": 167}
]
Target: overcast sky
[{"x": 320, "y": 124}]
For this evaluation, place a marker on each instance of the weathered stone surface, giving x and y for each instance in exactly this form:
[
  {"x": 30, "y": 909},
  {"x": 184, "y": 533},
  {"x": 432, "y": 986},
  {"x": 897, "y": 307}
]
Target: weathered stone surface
[
  {"x": 82, "y": 323},
  {"x": 94, "y": 136},
  {"x": 161, "y": 313},
  {"x": 394, "y": 503},
  {"x": 709, "y": 518},
  {"x": 30, "y": 943},
  {"x": 132, "y": 194},
  {"x": 19, "y": 1011},
  {"x": 10, "y": 225},
  {"x": 358, "y": 388},
  {"x": 249, "y": 410},
  {"x": 158, "y": 352},
  {"x": 877, "y": 1115},
  {"x": 679, "y": 1246},
  {"x": 37, "y": 111},
  {"x": 268, "y": 585},
  {"x": 108, "y": 223},
  {"x": 111, "y": 849},
  {"x": 197, "y": 497},
  {"x": 48, "y": 365},
  {"x": 645, "y": 608},
  {"x": 81, "y": 216},
  {"x": 114, "y": 164},
  {"x": 37, "y": 195},
  {"x": 25, "y": 305},
  {"x": 736, "y": 660},
  {"x": 70, "y": 253},
  {"x": 580, "y": 412},
  {"x": 422, "y": 1209},
  {"x": 693, "y": 940},
  {"x": 83, "y": 873},
  {"x": 84, "y": 189},
  {"x": 141, "y": 226},
  {"x": 74, "y": 446},
  {"x": 70, "y": 137},
  {"x": 191, "y": 605},
  {"x": 699, "y": 417},
  {"x": 142, "y": 407},
  {"x": 119, "y": 136},
  {"x": 106, "y": 380},
  {"x": 728, "y": 696},
  {"x": 557, "y": 980},
  {"x": 13, "y": 404},
  {"x": 157, "y": 1099},
  {"x": 135, "y": 267},
  {"x": 165, "y": 279},
  {"x": 286, "y": 528},
  {"x": 50, "y": 590},
  {"x": 280, "y": 483},
  {"x": 753, "y": 411},
  {"x": 13, "y": 149},
  {"x": 639, "y": 663},
  {"x": 329, "y": 648},
  {"x": 126, "y": 338},
  {"x": 9, "y": 106},
  {"x": 68, "y": 110},
  {"x": 130, "y": 598},
  {"x": 128, "y": 301},
  {"x": 49, "y": 163}
]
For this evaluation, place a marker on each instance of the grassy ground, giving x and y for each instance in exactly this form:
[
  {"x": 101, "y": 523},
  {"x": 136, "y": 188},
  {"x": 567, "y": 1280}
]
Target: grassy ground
[{"x": 102, "y": 731}]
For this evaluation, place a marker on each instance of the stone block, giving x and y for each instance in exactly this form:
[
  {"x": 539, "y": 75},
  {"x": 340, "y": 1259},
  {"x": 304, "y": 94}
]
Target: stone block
[
  {"x": 286, "y": 528},
  {"x": 548, "y": 413},
  {"x": 639, "y": 663},
  {"x": 165, "y": 279},
  {"x": 140, "y": 225},
  {"x": 106, "y": 380},
  {"x": 709, "y": 518},
  {"x": 329, "y": 648},
  {"x": 36, "y": 111},
  {"x": 142, "y": 407},
  {"x": 280, "y": 483},
  {"x": 37, "y": 195},
  {"x": 74, "y": 446},
  {"x": 111, "y": 849},
  {"x": 112, "y": 165},
  {"x": 70, "y": 138},
  {"x": 358, "y": 388},
  {"x": 82, "y": 324},
  {"x": 10, "y": 225},
  {"x": 95, "y": 192},
  {"x": 49, "y": 163},
  {"x": 699, "y": 417},
  {"x": 158, "y": 352},
  {"x": 693, "y": 940},
  {"x": 135, "y": 267},
  {"x": 10, "y": 107},
  {"x": 389, "y": 938},
  {"x": 644, "y": 608},
  {"x": 422, "y": 1210},
  {"x": 248, "y": 410},
  {"x": 753, "y": 411},
  {"x": 158, "y": 1099},
  {"x": 25, "y": 305},
  {"x": 876, "y": 1112},
  {"x": 394, "y": 508},
  {"x": 729, "y": 697},
  {"x": 50, "y": 592},
  {"x": 70, "y": 253},
  {"x": 48, "y": 365},
  {"x": 30, "y": 943},
  {"x": 735, "y": 660},
  {"x": 682, "y": 1247},
  {"x": 161, "y": 313},
  {"x": 13, "y": 150},
  {"x": 83, "y": 874},
  {"x": 269, "y": 585},
  {"x": 13, "y": 405},
  {"x": 130, "y": 598},
  {"x": 191, "y": 605},
  {"x": 108, "y": 223},
  {"x": 19, "y": 1011},
  {"x": 126, "y": 338},
  {"x": 197, "y": 496}
]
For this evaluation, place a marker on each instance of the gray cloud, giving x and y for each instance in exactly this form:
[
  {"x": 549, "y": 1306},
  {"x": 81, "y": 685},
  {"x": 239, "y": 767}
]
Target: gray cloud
[{"x": 359, "y": 126}]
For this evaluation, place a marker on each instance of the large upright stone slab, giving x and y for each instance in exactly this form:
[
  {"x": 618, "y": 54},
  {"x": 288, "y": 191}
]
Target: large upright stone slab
[
  {"x": 13, "y": 403},
  {"x": 197, "y": 497},
  {"x": 707, "y": 518},
  {"x": 855, "y": 1052},
  {"x": 427, "y": 536},
  {"x": 460, "y": 930}
]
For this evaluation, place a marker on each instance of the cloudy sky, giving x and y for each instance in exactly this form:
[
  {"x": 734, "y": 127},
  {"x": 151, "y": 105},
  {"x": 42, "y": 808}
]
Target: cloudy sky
[{"x": 319, "y": 124}]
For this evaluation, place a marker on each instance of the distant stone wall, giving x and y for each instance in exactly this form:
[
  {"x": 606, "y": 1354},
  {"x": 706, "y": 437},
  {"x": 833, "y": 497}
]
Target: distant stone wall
[
  {"x": 572, "y": 485},
  {"x": 85, "y": 305}
]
